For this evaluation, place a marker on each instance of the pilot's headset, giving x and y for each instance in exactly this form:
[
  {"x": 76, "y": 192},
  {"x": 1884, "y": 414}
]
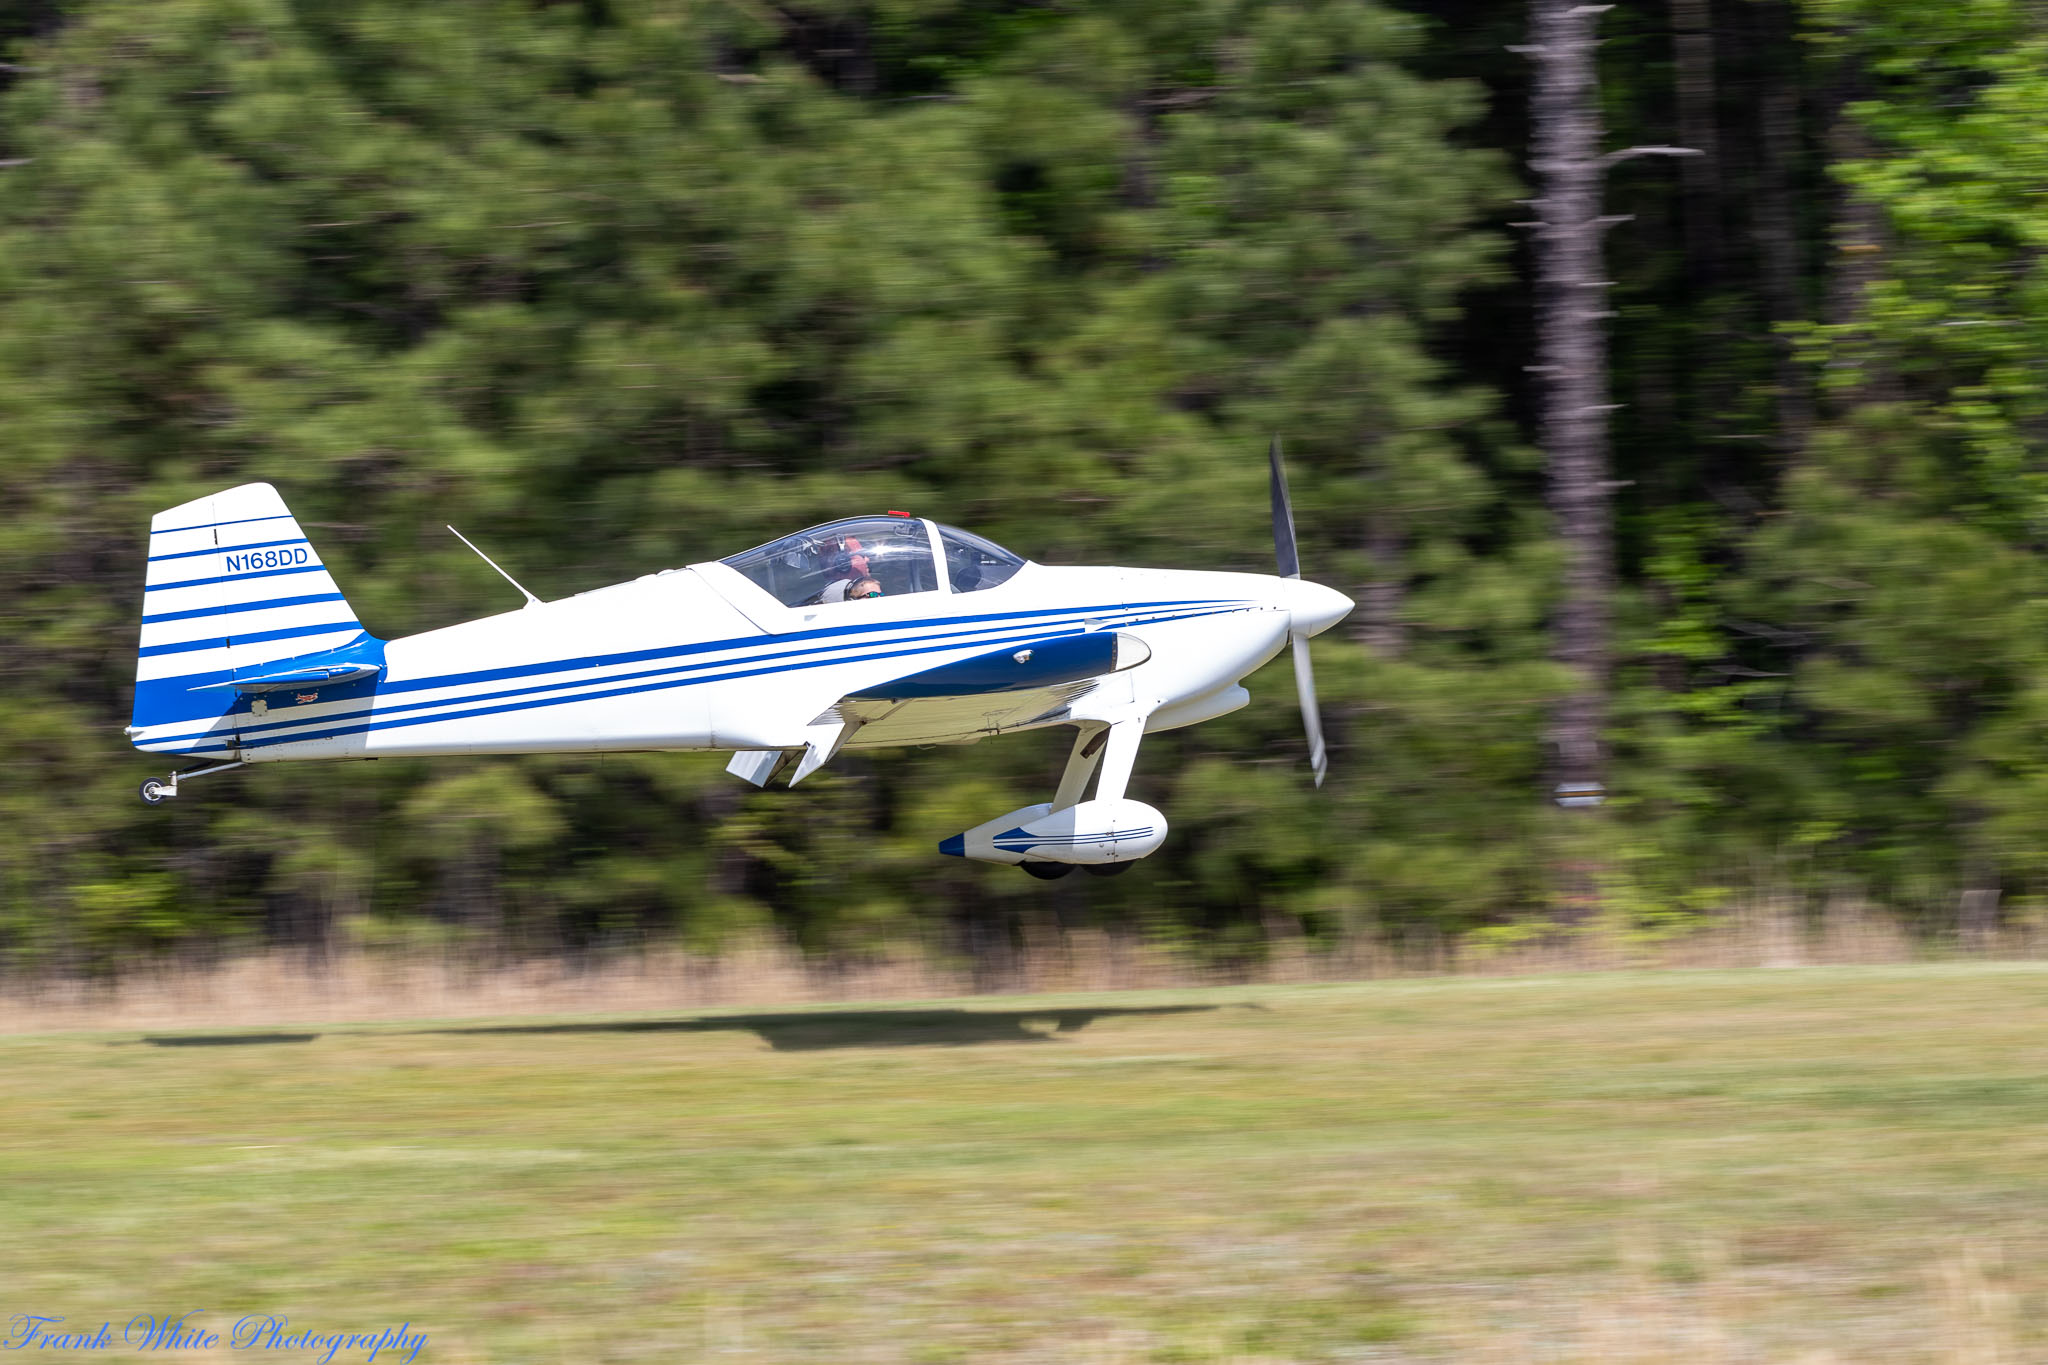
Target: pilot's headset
[
  {"x": 852, "y": 560},
  {"x": 963, "y": 568}
]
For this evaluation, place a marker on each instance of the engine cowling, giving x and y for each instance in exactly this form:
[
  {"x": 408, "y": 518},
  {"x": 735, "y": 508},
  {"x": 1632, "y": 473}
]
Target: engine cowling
[{"x": 1098, "y": 832}]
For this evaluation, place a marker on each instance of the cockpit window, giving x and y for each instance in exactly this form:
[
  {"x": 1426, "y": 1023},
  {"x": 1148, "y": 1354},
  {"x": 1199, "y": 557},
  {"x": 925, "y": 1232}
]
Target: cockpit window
[
  {"x": 973, "y": 563},
  {"x": 819, "y": 565}
]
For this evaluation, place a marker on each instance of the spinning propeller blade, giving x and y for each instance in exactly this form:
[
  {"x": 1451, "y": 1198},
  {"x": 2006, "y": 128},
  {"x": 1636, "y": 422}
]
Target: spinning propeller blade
[
  {"x": 1283, "y": 518},
  {"x": 1311, "y": 716},
  {"x": 1288, "y": 557}
]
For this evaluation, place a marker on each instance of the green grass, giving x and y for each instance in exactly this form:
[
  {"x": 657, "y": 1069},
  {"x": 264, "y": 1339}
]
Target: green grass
[{"x": 1818, "y": 1165}]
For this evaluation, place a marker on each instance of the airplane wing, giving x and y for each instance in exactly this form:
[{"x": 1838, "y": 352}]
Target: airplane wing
[{"x": 958, "y": 702}]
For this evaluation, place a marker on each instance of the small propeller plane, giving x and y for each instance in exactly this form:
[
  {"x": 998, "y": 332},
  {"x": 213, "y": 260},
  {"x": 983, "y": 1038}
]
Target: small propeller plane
[{"x": 870, "y": 632}]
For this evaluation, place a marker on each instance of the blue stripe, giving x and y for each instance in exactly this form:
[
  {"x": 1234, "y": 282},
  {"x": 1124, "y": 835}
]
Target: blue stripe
[
  {"x": 955, "y": 640},
  {"x": 208, "y": 525},
  {"x": 670, "y": 653},
  {"x": 258, "y": 637},
  {"x": 235, "y": 577},
  {"x": 825, "y": 633},
  {"x": 233, "y": 608},
  {"x": 371, "y": 709},
  {"x": 380, "y": 723},
  {"x": 1011, "y": 843},
  {"x": 224, "y": 549},
  {"x": 527, "y": 670},
  {"x": 380, "y": 716},
  {"x": 707, "y": 646}
]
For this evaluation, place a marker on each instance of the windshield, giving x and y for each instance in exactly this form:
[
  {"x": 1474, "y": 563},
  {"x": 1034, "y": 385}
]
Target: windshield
[
  {"x": 973, "y": 563},
  {"x": 823, "y": 563}
]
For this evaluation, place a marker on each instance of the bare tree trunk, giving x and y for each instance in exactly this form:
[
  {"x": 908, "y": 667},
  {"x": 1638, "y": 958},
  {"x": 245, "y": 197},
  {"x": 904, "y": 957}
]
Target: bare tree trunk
[
  {"x": 1571, "y": 303},
  {"x": 1380, "y": 597},
  {"x": 1859, "y": 231},
  {"x": 1692, "y": 24},
  {"x": 1571, "y": 294},
  {"x": 1777, "y": 230}
]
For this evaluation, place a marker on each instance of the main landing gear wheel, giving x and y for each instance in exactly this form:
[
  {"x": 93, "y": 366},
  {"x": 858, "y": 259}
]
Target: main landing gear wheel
[
  {"x": 1110, "y": 869},
  {"x": 1047, "y": 872},
  {"x": 154, "y": 793}
]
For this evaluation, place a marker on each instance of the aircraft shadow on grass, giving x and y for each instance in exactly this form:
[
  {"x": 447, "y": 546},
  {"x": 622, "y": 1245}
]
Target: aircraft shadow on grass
[
  {"x": 224, "y": 1039},
  {"x": 811, "y": 1030},
  {"x": 805, "y": 1031}
]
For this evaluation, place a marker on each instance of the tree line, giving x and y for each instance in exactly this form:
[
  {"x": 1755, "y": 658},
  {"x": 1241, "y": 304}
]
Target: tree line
[{"x": 626, "y": 284}]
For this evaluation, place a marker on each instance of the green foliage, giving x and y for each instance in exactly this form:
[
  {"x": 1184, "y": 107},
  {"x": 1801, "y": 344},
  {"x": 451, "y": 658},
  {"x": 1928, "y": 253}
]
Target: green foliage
[{"x": 618, "y": 287}]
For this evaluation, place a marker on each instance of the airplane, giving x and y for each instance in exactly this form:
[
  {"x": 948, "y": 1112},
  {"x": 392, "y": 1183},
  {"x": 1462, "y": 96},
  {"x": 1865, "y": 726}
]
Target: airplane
[{"x": 868, "y": 632}]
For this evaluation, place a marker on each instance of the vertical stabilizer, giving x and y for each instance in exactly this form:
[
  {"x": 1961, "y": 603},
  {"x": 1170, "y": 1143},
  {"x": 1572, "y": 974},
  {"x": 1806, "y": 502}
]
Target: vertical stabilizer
[{"x": 233, "y": 586}]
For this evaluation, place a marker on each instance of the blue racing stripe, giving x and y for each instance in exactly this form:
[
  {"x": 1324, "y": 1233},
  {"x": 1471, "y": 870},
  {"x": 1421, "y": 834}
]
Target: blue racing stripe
[
  {"x": 741, "y": 642},
  {"x": 380, "y": 722},
  {"x": 668, "y": 652},
  {"x": 233, "y": 608},
  {"x": 370, "y": 708},
  {"x": 976, "y": 625},
  {"x": 226, "y": 549},
  {"x": 235, "y": 577},
  {"x": 256, "y": 637},
  {"x": 1020, "y": 836},
  {"x": 707, "y": 646},
  {"x": 312, "y": 728},
  {"x": 209, "y": 525}
]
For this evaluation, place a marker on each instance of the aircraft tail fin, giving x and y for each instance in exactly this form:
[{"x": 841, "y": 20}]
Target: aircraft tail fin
[{"x": 234, "y": 589}]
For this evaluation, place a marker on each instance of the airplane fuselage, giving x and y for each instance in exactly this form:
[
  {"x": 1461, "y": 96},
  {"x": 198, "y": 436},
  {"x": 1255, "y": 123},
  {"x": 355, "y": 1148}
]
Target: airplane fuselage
[
  {"x": 868, "y": 632},
  {"x": 700, "y": 658}
]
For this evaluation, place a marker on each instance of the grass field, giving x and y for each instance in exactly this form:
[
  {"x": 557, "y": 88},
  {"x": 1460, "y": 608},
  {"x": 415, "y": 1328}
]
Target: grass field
[{"x": 1840, "y": 1164}]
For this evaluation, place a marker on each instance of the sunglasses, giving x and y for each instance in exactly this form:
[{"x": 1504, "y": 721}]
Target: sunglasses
[{"x": 862, "y": 596}]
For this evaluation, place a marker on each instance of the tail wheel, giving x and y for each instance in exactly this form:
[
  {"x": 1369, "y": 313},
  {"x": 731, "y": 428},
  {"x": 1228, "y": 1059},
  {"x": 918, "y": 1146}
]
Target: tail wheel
[
  {"x": 154, "y": 793},
  {"x": 1047, "y": 872}
]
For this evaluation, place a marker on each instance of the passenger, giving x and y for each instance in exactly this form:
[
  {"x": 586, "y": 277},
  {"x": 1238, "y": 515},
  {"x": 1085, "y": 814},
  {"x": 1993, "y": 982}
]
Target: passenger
[{"x": 865, "y": 587}]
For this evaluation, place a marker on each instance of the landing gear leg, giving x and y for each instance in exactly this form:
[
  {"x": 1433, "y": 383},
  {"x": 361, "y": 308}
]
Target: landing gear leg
[
  {"x": 1081, "y": 765},
  {"x": 1120, "y": 753},
  {"x": 156, "y": 791}
]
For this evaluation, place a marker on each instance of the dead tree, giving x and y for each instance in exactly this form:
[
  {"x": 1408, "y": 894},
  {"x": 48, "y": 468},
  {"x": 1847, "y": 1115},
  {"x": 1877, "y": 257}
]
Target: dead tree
[{"x": 1571, "y": 368}]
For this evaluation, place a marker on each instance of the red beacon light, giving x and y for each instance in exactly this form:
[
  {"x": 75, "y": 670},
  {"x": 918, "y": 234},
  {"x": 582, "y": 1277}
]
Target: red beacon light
[{"x": 894, "y": 513}]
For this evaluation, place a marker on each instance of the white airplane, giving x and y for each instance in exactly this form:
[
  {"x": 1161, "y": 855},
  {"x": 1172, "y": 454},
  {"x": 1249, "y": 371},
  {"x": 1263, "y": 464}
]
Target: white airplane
[{"x": 865, "y": 633}]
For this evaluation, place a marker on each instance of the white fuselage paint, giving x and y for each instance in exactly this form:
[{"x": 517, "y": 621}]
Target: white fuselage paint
[{"x": 701, "y": 658}]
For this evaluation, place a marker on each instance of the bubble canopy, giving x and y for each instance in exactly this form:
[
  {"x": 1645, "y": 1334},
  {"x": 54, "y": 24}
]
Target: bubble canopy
[{"x": 819, "y": 564}]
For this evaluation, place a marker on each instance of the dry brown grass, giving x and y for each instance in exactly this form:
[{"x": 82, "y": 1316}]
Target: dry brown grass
[{"x": 378, "y": 984}]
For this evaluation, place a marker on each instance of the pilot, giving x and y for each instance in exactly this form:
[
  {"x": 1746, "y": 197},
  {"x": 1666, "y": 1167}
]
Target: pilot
[
  {"x": 849, "y": 567},
  {"x": 863, "y": 587}
]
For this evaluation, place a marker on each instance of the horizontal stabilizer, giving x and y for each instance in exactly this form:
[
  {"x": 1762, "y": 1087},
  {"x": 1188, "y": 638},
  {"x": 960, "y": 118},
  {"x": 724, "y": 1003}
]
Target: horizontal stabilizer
[{"x": 297, "y": 677}]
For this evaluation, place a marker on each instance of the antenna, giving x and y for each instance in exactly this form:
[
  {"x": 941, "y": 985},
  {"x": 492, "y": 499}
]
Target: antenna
[{"x": 531, "y": 600}]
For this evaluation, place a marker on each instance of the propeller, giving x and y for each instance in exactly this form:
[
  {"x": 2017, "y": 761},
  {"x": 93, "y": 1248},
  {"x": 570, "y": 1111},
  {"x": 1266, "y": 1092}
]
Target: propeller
[{"x": 1289, "y": 557}]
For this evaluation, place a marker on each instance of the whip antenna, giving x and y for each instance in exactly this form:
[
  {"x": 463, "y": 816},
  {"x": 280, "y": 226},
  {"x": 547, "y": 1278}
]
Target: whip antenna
[{"x": 531, "y": 600}]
